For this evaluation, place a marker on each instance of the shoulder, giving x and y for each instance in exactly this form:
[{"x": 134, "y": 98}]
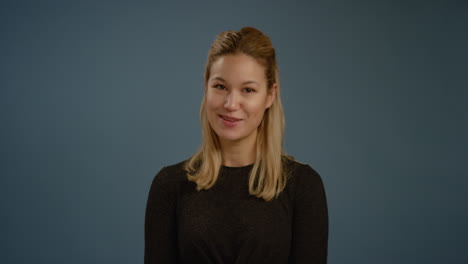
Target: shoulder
[
  {"x": 303, "y": 177},
  {"x": 169, "y": 176},
  {"x": 300, "y": 169}
]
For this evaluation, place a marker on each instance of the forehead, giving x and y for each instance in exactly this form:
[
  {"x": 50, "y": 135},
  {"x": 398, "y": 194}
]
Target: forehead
[{"x": 237, "y": 68}]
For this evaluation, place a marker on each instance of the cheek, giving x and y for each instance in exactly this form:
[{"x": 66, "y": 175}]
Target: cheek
[
  {"x": 212, "y": 100},
  {"x": 212, "y": 108},
  {"x": 256, "y": 106},
  {"x": 210, "y": 103}
]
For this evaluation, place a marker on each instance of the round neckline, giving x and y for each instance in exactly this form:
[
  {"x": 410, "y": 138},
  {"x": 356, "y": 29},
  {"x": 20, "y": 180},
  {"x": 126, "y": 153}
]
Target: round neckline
[{"x": 237, "y": 168}]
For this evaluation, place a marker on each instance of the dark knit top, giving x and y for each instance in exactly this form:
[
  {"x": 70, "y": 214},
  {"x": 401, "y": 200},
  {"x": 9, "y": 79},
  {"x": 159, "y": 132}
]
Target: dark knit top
[{"x": 226, "y": 224}]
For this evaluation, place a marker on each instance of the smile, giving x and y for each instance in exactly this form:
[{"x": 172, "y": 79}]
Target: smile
[
  {"x": 230, "y": 119},
  {"x": 229, "y": 122}
]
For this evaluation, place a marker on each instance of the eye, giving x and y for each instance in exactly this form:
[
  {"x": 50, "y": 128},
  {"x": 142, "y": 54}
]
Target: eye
[
  {"x": 249, "y": 90},
  {"x": 220, "y": 86}
]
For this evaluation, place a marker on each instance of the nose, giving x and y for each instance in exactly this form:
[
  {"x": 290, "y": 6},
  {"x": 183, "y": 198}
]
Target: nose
[{"x": 232, "y": 101}]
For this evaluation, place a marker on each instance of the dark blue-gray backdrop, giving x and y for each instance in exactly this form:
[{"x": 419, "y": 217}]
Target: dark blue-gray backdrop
[{"x": 97, "y": 96}]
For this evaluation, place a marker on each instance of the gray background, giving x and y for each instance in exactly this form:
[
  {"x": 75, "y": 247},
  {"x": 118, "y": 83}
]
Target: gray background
[{"x": 97, "y": 96}]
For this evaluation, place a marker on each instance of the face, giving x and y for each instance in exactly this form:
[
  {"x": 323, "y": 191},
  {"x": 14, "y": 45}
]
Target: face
[{"x": 237, "y": 88}]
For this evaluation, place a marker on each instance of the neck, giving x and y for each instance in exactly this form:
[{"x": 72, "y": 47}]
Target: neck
[{"x": 239, "y": 153}]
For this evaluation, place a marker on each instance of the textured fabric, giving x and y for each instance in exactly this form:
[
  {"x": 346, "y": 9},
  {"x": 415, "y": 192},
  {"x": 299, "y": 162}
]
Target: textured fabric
[{"x": 227, "y": 225}]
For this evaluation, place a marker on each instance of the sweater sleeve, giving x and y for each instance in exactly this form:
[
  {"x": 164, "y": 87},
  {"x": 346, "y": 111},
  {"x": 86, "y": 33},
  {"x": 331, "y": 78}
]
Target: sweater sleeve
[
  {"x": 160, "y": 224},
  {"x": 310, "y": 219}
]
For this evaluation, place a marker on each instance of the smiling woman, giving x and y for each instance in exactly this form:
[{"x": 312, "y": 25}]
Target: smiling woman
[
  {"x": 240, "y": 198},
  {"x": 234, "y": 109}
]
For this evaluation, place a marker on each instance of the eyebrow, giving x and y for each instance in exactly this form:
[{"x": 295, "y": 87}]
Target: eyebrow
[{"x": 221, "y": 79}]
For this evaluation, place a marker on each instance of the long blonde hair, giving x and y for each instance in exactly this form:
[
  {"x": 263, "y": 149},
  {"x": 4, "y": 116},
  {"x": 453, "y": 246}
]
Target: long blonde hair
[{"x": 269, "y": 174}]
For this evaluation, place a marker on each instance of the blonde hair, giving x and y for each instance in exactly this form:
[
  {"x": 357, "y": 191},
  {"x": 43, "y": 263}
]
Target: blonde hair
[{"x": 269, "y": 174}]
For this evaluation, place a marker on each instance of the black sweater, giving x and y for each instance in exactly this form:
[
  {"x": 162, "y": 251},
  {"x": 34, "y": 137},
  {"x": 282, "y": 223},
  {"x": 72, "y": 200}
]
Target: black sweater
[{"x": 227, "y": 225}]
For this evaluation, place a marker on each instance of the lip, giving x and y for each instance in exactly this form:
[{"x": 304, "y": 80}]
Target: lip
[
  {"x": 230, "y": 117},
  {"x": 228, "y": 123}
]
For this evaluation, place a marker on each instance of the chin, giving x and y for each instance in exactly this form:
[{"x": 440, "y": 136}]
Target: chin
[{"x": 230, "y": 137}]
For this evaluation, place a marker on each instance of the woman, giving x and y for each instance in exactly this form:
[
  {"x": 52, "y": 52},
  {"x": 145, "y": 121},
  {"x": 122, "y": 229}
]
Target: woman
[{"x": 240, "y": 198}]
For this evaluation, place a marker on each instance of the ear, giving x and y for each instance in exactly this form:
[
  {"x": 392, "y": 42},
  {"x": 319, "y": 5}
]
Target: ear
[{"x": 272, "y": 95}]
